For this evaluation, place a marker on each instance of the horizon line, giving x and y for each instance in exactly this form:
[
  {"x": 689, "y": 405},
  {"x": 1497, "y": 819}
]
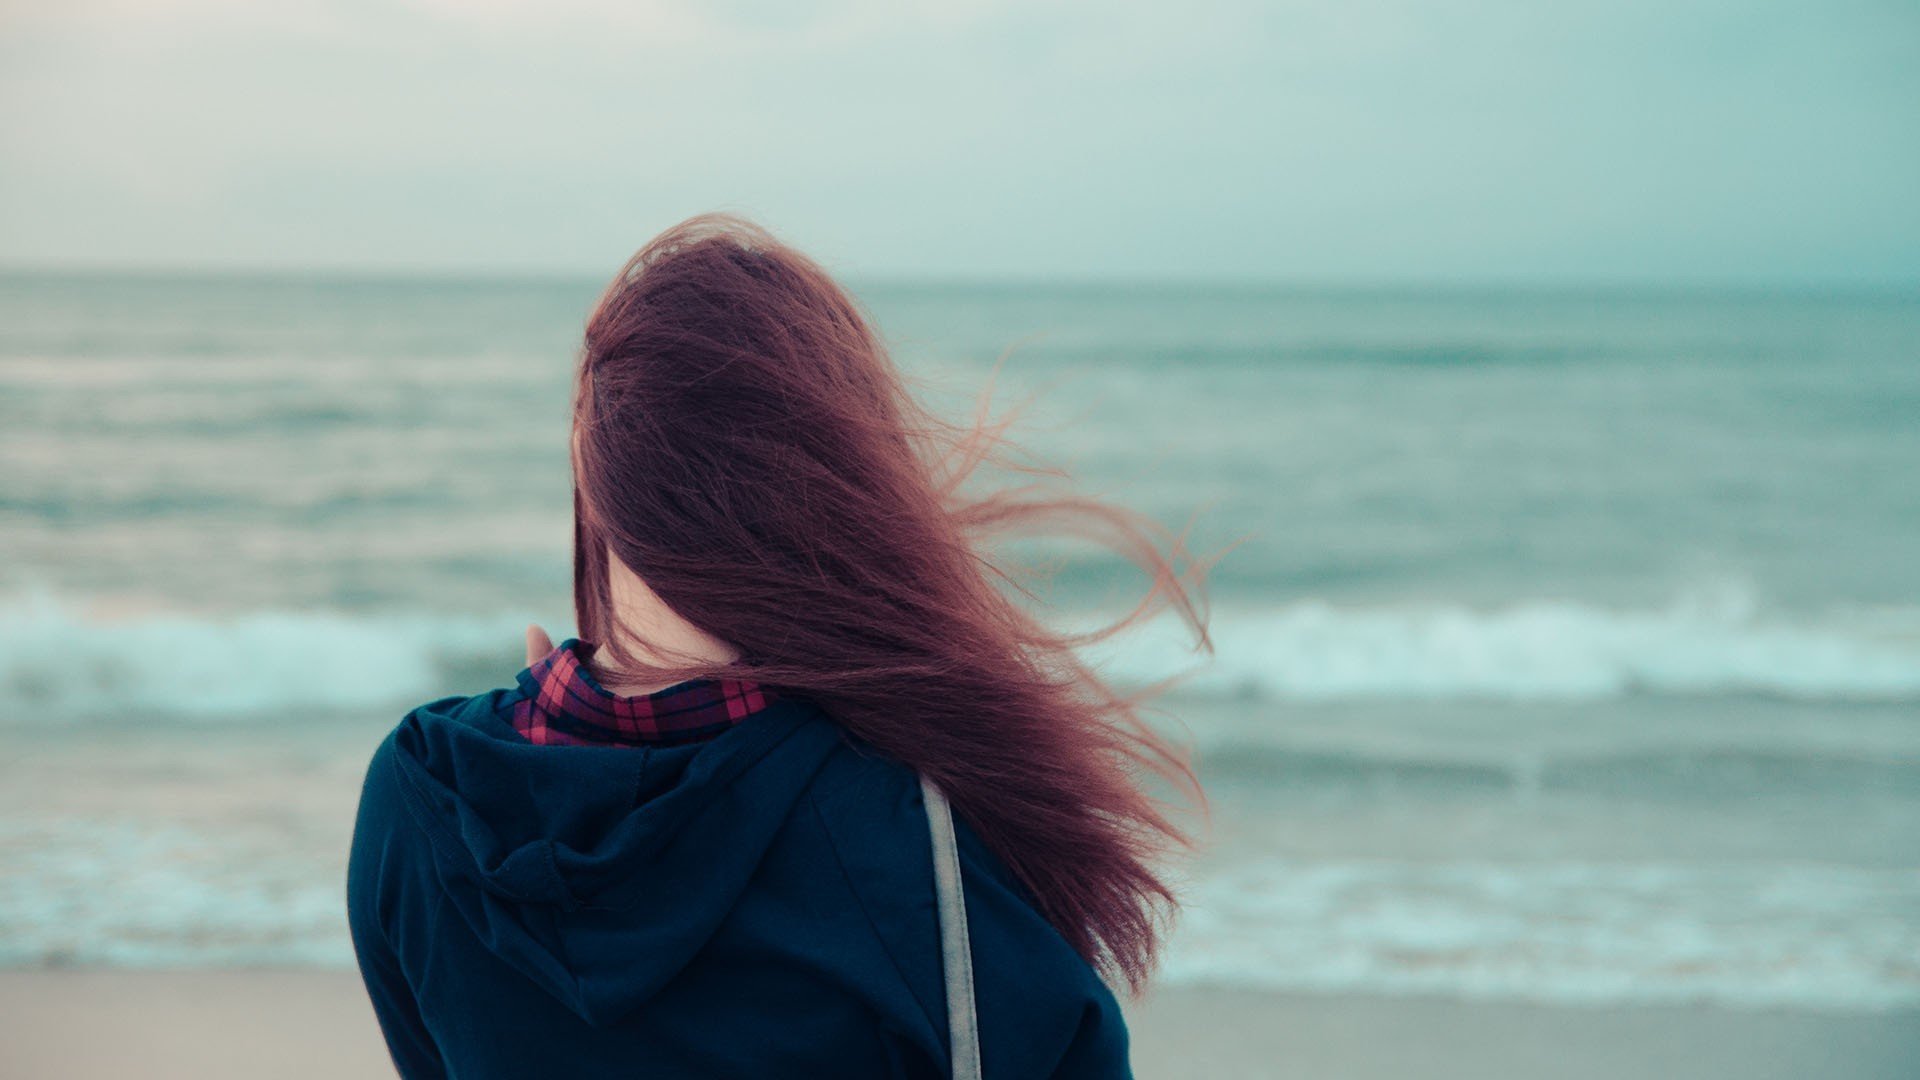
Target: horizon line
[{"x": 1345, "y": 282}]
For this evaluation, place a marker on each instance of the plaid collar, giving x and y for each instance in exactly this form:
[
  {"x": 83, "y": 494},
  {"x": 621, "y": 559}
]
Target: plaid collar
[{"x": 565, "y": 706}]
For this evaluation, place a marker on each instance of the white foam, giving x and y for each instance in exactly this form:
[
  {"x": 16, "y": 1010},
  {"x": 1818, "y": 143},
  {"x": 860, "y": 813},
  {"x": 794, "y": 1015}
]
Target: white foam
[
  {"x": 56, "y": 660},
  {"x": 137, "y": 893},
  {"x": 1749, "y": 935},
  {"x": 1537, "y": 651}
]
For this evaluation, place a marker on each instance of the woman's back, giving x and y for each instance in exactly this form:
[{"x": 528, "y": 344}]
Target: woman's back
[
  {"x": 755, "y": 903},
  {"x": 551, "y": 880}
]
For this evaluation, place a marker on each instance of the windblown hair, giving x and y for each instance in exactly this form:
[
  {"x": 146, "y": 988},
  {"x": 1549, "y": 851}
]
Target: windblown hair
[{"x": 745, "y": 446}]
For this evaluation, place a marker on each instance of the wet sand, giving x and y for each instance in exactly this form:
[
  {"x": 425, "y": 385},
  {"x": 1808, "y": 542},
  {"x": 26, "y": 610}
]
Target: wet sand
[{"x": 296, "y": 1024}]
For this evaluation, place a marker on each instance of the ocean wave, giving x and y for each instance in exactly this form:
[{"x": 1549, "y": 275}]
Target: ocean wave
[
  {"x": 58, "y": 659},
  {"x": 1695, "y": 773},
  {"x": 1745, "y": 935},
  {"x": 125, "y": 893},
  {"x": 1719, "y": 643}
]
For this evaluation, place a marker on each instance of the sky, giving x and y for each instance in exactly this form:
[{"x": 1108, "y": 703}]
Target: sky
[{"x": 1681, "y": 141}]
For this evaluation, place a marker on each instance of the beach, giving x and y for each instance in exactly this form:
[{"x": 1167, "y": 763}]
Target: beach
[{"x": 297, "y": 1024}]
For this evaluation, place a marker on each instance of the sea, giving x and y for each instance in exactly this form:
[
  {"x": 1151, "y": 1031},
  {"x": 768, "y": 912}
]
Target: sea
[{"x": 1566, "y": 646}]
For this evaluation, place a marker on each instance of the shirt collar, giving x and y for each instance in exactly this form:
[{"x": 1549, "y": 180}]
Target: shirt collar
[{"x": 564, "y": 705}]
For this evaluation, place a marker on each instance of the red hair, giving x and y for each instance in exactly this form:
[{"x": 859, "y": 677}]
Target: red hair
[{"x": 745, "y": 445}]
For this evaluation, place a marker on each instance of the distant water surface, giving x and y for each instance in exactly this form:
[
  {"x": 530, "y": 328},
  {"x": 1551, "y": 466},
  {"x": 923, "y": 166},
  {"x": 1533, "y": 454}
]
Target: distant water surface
[{"x": 1572, "y": 652}]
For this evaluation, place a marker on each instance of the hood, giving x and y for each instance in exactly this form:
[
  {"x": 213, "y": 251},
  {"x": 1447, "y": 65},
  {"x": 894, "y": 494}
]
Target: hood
[{"x": 600, "y": 871}]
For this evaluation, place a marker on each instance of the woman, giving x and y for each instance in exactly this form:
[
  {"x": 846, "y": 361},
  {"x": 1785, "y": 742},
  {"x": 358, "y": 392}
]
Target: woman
[{"x": 697, "y": 846}]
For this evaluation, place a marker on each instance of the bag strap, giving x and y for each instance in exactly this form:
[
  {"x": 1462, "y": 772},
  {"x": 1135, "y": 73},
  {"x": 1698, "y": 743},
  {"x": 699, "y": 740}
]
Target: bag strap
[{"x": 956, "y": 954}]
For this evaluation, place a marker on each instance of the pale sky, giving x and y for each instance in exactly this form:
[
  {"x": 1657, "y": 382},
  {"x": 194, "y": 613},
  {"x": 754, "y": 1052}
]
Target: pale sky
[{"x": 1323, "y": 140}]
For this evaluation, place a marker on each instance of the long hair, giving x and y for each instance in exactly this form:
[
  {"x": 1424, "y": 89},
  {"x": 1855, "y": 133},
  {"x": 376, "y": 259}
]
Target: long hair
[{"x": 745, "y": 446}]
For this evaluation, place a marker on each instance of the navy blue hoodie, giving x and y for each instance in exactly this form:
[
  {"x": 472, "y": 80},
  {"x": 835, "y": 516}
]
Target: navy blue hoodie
[{"x": 761, "y": 904}]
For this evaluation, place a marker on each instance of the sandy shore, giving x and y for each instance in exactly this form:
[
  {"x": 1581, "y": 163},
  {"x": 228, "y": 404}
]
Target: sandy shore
[{"x": 85, "y": 1024}]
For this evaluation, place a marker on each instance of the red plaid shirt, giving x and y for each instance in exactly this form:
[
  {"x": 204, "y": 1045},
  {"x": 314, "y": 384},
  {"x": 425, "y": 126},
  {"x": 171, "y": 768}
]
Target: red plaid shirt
[{"x": 567, "y": 707}]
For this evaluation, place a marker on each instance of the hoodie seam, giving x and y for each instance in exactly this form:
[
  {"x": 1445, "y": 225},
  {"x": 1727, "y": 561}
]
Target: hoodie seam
[
  {"x": 441, "y": 848},
  {"x": 425, "y": 820},
  {"x": 642, "y": 764},
  {"x": 833, "y": 844},
  {"x": 417, "y": 811},
  {"x": 571, "y": 902}
]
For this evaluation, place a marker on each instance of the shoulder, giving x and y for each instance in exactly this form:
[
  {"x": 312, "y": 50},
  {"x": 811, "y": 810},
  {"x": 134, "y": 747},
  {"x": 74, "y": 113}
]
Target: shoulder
[
  {"x": 870, "y": 799},
  {"x": 1043, "y": 1009},
  {"x": 382, "y": 820},
  {"x": 856, "y": 775},
  {"x": 424, "y": 725},
  {"x": 489, "y": 713}
]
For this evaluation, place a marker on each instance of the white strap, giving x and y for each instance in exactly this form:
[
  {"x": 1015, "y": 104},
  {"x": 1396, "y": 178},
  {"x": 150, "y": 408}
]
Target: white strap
[{"x": 956, "y": 955}]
